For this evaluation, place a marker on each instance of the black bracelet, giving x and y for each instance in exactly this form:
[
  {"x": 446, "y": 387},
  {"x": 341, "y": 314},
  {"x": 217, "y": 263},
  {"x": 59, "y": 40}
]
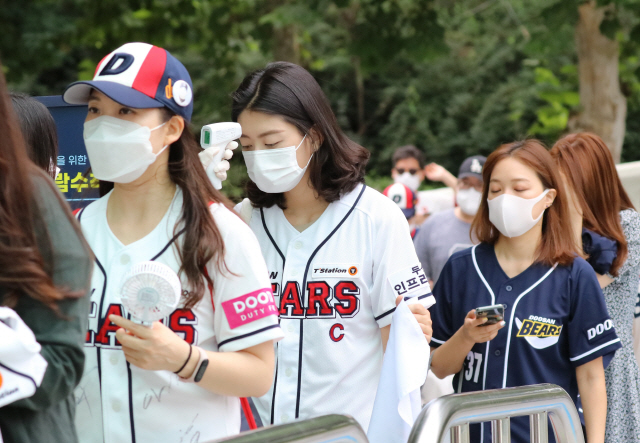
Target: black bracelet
[{"x": 187, "y": 361}]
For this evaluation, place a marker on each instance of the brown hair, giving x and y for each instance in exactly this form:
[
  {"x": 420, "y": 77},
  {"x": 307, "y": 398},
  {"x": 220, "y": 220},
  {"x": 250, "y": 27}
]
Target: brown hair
[
  {"x": 23, "y": 270},
  {"x": 588, "y": 165},
  {"x": 557, "y": 244},
  {"x": 408, "y": 151},
  {"x": 38, "y": 131},
  {"x": 289, "y": 91},
  {"x": 202, "y": 239}
]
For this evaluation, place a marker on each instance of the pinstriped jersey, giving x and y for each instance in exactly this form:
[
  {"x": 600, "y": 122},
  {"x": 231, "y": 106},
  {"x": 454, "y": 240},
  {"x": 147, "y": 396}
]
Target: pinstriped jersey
[
  {"x": 335, "y": 285},
  {"x": 120, "y": 403}
]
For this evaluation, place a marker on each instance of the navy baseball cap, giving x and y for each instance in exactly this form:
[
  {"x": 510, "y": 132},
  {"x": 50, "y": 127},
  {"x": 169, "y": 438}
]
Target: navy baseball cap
[
  {"x": 141, "y": 76},
  {"x": 472, "y": 167}
]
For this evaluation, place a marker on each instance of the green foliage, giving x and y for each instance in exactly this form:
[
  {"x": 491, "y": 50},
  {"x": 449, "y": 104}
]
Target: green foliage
[{"x": 454, "y": 78}]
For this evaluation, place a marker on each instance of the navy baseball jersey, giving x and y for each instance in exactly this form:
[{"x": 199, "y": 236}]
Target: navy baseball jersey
[{"x": 556, "y": 320}]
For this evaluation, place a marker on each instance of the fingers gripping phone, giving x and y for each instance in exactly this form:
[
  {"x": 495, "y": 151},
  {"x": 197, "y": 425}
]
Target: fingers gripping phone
[{"x": 493, "y": 313}]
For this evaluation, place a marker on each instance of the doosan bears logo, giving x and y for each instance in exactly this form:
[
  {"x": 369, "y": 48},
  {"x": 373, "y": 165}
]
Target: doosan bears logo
[
  {"x": 249, "y": 307},
  {"x": 539, "y": 332}
]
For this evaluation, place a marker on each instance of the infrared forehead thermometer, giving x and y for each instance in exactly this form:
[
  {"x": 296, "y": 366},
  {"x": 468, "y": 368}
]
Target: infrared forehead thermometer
[{"x": 218, "y": 135}]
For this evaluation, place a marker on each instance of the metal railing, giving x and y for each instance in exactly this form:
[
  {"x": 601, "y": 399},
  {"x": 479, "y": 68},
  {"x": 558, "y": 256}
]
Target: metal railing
[
  {"x": 325, "y": 429},
  {"x": 455, "y": 412}
]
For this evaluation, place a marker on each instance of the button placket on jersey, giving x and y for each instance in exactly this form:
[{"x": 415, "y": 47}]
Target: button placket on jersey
[
  {"x": 506, "y": 295},
  {"x": 114, "y": 369},
  {"x": 288, "y": 348}
]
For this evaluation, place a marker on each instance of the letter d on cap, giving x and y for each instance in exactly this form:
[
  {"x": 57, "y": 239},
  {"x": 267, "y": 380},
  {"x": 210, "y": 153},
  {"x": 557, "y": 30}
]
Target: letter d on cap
[{"x": 115, "y": 68}]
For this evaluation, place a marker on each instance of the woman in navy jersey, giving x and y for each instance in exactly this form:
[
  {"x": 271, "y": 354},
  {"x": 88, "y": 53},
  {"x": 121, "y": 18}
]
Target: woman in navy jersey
[{"x": 556, "y": 328}]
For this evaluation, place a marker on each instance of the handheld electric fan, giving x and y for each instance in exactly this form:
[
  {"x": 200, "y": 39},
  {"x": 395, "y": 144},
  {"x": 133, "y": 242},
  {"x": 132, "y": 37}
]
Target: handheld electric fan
[
  {"x": 151, "y": 291},
  {"x": 218, "y": 135}
]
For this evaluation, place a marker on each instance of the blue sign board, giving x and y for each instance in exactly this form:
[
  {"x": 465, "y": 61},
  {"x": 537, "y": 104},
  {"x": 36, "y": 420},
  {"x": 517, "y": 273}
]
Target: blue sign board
[{"x": 75, "y": 181}]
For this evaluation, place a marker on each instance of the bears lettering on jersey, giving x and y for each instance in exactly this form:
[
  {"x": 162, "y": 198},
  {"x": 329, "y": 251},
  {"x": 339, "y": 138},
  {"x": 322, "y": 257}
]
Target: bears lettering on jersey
[
  {"x": 539, "y": 332},
  {"x": 322, "y": 300},
  {"x": 181, "y": 321}
]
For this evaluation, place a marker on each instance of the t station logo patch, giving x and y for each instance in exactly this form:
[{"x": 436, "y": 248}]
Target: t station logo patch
[
  {"x": 334, "y": 270},
  {"x": 249, "y": 307}
]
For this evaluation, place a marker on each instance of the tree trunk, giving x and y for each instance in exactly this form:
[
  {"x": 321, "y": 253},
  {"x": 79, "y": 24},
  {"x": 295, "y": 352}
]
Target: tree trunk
[
  {"x": 286, "y": 44},
  {"x": 604, "y": 108}
]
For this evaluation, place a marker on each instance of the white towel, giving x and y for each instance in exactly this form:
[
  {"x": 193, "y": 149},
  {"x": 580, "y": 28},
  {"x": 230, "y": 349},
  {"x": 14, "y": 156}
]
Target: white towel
[
  {"x": 404, "y": 369},
  {"x": 21, "y": 365}
]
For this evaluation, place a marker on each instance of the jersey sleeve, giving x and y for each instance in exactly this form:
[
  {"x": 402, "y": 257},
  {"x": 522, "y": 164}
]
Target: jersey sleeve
[
  {"x": 396, "y": 268},
  {"x": 590, "y": 330},
  {"x": 245, "y": 310},
  {"x": 442, "y": 311}
]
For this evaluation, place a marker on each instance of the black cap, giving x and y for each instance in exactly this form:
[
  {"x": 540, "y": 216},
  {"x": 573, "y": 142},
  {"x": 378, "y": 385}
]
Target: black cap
[{"x": 472, "y": 167}]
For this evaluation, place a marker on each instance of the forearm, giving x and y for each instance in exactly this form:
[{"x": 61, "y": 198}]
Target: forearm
[
  {"x": 593, "y": 394},
  {"x": 384, "y": 334},
  {"x": 238, "y": 373},
  {"x": 450, "y": 180},
  {"x": 449, "y": 358}
]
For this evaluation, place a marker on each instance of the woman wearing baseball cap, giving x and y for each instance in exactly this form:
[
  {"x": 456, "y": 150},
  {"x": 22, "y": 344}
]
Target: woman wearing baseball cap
[{"x": 179, "y": 379}]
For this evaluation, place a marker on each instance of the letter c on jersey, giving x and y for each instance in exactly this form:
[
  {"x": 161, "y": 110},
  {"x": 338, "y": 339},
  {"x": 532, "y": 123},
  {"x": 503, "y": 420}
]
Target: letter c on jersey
[{"x": 332, "y": 332}]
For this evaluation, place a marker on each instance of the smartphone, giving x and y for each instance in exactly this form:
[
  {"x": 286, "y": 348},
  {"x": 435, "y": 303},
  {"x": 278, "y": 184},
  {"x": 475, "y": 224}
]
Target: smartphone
[{"x": 493, "y": 313}]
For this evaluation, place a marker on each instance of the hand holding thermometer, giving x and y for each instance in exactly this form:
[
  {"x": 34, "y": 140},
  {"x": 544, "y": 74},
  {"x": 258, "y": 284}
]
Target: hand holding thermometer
[
  {"x": 150, "y": 292},
  {"x": 218, "y": 135}
]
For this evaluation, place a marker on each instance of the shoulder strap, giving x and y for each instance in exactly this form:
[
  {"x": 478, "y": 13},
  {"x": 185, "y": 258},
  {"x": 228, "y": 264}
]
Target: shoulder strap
[{"x": 246, "y": 210}]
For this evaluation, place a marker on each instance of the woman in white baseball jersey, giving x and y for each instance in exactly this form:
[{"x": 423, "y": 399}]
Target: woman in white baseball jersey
[
  {"x": 339, "y": 253},
  {"x": 178, "y": 380}
]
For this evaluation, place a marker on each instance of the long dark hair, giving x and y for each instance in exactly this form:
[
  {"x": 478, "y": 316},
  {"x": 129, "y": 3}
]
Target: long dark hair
[
  {"x": 556, "y": 245},
  {"x": 38, "y": 130},
  {"x": 589, "y": 167},
  {"x": 23, "y": 271},
  {"x": 289, "y": 91},
  {"x": 202, "y": 239}
]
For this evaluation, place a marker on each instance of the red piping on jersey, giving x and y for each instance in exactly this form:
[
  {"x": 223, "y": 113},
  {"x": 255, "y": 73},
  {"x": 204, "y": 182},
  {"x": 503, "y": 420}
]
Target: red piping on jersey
[
  {"x": 248, "y": 413},
  {"x": 210, "y": 285}
]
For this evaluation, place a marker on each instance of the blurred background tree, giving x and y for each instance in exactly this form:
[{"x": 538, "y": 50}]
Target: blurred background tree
[{"x": 453, "y": 78}]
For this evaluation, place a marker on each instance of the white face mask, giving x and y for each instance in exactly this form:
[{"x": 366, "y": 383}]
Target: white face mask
[
  {"x": 411, "y": 181},
  {"x": 469, "y": 200},
  {"x": 275, "y": 170},
  {"x": 119, "y": 150},
  {"x": 512, "y": 215}
]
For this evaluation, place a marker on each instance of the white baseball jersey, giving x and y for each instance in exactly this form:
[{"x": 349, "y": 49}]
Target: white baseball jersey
[
  {"x": 120, "y": 403},
  {"x": 335, "y": 284}
]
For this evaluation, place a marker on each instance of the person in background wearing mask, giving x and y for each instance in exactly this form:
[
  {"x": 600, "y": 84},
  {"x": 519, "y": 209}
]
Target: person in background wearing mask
[
  {"x": 556, "y": 325},
  {"x": 607, "y": 226},
  {"x": 406, "y": 200},
  {"x": 38, "y": 130},
  {"x": 410, "y": 169},
  {"x": 450, "y": 231}
]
